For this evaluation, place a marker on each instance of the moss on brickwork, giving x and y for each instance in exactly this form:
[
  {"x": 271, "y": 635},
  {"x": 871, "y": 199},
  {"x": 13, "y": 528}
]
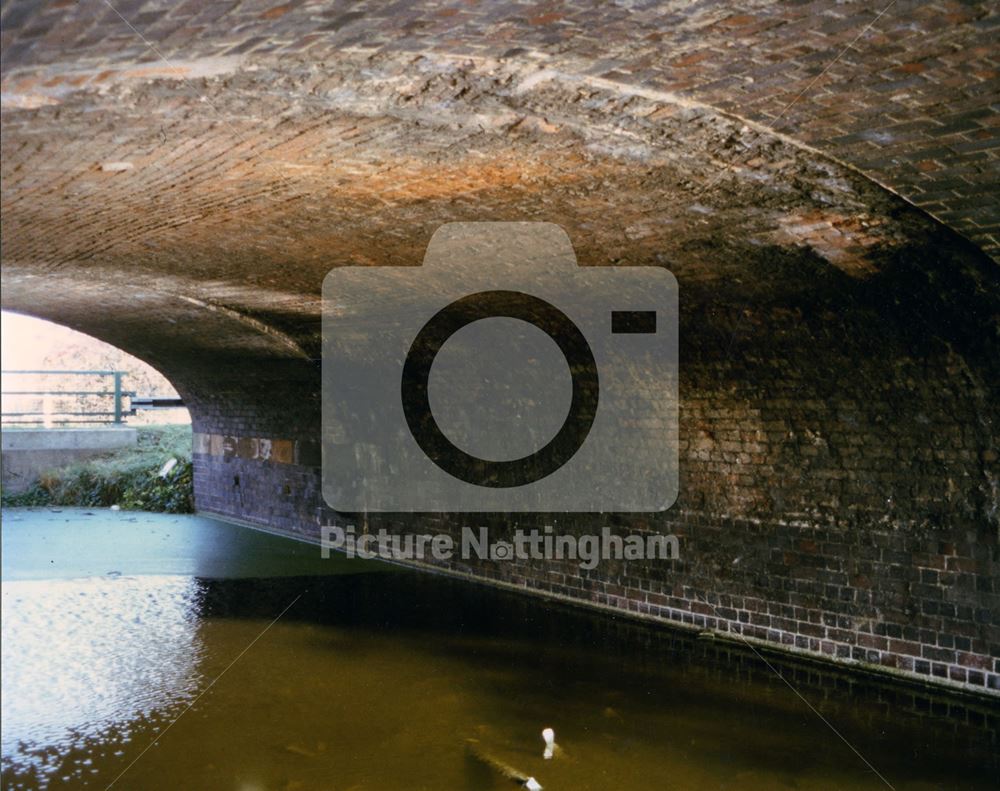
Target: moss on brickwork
[{"x": 129, "y": 478}]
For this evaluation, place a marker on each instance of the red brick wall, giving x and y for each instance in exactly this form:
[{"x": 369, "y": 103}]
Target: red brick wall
[{"x": 838, "y": 479}]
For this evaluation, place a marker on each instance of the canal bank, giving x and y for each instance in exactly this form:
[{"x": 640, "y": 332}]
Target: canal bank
[{"x": 123, "y": 630}]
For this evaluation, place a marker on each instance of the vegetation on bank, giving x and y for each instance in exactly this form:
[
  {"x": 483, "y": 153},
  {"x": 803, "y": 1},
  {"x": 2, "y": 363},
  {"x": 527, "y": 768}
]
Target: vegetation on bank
[{"x": 129, "y": 478}]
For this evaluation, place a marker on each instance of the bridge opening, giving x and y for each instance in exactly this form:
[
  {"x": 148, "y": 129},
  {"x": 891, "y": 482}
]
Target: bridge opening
[{"x": 81, "y": 419}]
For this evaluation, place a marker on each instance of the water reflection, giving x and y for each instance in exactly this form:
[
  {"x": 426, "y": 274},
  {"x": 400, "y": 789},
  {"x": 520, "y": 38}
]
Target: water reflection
[
  {"x": 377, "y": 682},
  {"x": 84, "y": 661}
]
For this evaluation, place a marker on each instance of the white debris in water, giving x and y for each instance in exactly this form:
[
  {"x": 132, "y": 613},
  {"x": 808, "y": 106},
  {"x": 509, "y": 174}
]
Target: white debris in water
[
  {"x": 549, "y": 736},
  {"x": 116, "y": 508},
  {"x": 532, "y": 784},
  {"x": 167, "y": 467}
]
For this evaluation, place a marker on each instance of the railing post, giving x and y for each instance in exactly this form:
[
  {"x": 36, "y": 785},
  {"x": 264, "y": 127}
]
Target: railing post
[{"x": 118, "y": 397}]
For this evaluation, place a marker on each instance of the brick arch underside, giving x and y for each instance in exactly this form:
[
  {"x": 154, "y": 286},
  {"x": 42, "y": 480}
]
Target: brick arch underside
[{"x": 838, "y": 347}]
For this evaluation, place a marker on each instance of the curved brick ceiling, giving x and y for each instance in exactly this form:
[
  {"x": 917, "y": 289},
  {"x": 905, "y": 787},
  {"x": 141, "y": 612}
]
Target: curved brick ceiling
[
  {"x": 839, "y": 372},
  {"x": 181, "y": 183},
  {"x": 910, "y": 101}
]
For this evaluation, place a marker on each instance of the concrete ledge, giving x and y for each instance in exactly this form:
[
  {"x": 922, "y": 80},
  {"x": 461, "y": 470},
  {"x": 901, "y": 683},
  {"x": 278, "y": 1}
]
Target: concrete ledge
[
  {"x": 28, "y": 453},
  {"x": 102, "y": 438}
]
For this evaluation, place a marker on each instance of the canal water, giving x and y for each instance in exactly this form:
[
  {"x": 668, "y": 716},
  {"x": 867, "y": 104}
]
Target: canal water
[{"x": 146, "y": 652}]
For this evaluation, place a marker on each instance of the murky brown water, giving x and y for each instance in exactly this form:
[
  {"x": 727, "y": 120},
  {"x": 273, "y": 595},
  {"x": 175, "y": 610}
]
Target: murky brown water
[{"x": 376, "y": 681}]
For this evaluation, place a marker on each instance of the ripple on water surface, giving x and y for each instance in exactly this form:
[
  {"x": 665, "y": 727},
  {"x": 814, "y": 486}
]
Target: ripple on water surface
[
  {"x": 376, "y": 682},
  {"x": 83, "y": 661}
]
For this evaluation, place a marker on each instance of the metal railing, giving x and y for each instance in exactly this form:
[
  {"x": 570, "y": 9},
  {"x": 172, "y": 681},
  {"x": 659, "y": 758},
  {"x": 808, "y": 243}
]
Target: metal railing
[{"x": 97, "y": 402}]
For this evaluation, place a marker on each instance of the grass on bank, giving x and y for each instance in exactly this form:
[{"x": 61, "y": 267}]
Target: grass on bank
[{"x": 129, "y": 478}]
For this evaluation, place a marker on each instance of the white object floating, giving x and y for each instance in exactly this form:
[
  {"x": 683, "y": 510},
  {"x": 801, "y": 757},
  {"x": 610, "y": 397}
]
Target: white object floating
[
  {"x": 549, "y": 736},
  {"x": 116, "y": 508},
  {"x": 116, "y": 167},
  {"x": 167, "y": 467},
  {"x": 532, "y": 784}
]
